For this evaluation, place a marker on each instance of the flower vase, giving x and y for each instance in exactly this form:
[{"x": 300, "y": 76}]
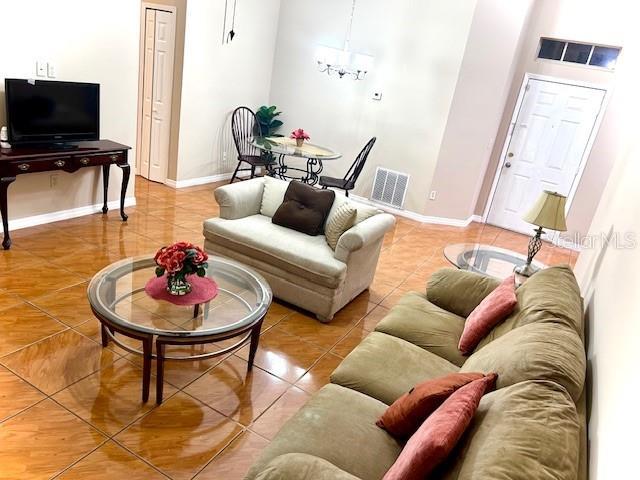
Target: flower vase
[
  {"x": 177, "y": 285},
  {"x": 299, "y": 142}
]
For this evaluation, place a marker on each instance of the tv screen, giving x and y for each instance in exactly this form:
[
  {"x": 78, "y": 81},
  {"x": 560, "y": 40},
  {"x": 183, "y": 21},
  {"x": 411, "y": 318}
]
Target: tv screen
[{"x": 43, "y": 111}]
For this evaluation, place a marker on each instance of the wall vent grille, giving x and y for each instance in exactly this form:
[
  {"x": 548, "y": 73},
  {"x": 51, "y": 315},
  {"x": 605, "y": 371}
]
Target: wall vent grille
[{"x": 389, "y": 187}]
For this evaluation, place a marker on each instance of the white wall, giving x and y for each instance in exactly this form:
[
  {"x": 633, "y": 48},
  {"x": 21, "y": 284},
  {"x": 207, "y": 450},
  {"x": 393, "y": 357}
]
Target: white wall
[
  {"x": 217, "y": 78},
  {"x": 418, "y": 47},
  {"x": 87, "y": 42},
  {"x": 481, "y": 92},
  {"x": 610, "y": 281}
]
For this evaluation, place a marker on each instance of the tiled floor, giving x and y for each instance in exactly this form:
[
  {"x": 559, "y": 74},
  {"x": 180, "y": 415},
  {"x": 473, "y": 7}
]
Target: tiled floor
[{"x": 70, "y": 409}]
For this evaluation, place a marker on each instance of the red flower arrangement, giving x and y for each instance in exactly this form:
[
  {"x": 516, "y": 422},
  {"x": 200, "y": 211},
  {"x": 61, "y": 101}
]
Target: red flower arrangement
[
  {"x": 300, "y": 134},
  {"x": 178, "y": 261}
]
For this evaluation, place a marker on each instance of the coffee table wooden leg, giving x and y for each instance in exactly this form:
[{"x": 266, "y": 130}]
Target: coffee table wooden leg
[
  {"x": 255, "y": 338},
  {"x": 147, "y": 347},
  {"x": 104, "y": 335},
  {"x": 160, "y": 373},
  {"x": 196, "y": 310}
]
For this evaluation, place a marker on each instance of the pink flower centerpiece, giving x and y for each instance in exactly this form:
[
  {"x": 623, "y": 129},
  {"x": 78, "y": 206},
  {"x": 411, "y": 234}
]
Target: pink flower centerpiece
[
  {"x": 300, "y": 136},
  {"x": 178, "y": 261}
]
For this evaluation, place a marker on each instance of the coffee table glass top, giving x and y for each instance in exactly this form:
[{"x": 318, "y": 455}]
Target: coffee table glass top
[
  {"x": 486, "y": 259},
  {"x": 117, "y": 294}
]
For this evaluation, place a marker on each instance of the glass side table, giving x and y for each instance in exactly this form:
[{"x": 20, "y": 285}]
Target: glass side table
[{"x": 486, "y": 259}]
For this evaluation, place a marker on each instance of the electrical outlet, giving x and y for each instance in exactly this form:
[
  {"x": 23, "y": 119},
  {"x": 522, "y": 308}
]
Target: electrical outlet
[
  {"x": 53, "y": 181},
  {"x": 432, "y": 195},
  {"x": 41, "y": 68},
  {"x": 51, "y": 70}
]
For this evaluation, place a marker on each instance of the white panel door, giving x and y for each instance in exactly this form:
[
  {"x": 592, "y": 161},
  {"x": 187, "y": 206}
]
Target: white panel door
[
  {"x": 546, "y": 149},
  {"x": 147, "y": 91},
  {"x": 162, "y": 88},
  {"x": 159, "y": 44}
]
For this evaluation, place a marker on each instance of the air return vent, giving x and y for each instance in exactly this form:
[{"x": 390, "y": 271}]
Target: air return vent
[{"x": 389, "y": 187}]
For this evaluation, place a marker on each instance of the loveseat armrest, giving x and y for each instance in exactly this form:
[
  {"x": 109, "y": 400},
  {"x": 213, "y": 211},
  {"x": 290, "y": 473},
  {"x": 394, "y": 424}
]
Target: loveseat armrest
[
  {"x": 302, "y": 466},
  {"x": 364, "y": 233},
  {"x": 458, "y": 291},
  {"x": 241, "y": 199}
]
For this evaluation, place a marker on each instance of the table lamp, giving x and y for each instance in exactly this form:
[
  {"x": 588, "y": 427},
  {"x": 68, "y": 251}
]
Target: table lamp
[{"x": 548, "y": 212}]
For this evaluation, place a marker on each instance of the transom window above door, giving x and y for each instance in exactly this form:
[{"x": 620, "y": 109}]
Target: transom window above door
[{"x": 578, "y": 53}]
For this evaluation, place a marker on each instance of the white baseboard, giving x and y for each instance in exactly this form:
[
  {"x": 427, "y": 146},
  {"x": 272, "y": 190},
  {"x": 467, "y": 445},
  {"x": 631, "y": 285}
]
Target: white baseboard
[
  {"x": 192, "y": 182},
  {"x": 453, "y": 222},
  {"x": 34, "y": 220}
]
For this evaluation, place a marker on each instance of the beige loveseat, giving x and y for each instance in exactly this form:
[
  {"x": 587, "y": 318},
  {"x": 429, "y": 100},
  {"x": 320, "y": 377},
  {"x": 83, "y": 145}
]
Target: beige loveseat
[
  {"x": 532, "y": 427},
  {"x": 301, "y": 269}
]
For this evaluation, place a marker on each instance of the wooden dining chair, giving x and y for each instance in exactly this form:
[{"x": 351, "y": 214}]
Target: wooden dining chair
[
  {"x": 348, "y": 182},
  {"x": 245, "y": 127}
]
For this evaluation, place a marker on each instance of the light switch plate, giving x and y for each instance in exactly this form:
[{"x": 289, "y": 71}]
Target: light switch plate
[
  {"x": 41, "y": 68},
  {"x": 51, "y": 70}
]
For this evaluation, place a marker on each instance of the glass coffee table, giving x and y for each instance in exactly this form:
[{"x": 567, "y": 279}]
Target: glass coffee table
[
  {"x": 118, "y": 300},
  {"x": 486, "y": 259}
]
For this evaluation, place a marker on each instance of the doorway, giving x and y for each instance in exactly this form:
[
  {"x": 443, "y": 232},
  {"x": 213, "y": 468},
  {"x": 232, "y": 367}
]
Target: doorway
[
  {"x": 552, "y": 130},
  {"x": 157, "y": 62}
]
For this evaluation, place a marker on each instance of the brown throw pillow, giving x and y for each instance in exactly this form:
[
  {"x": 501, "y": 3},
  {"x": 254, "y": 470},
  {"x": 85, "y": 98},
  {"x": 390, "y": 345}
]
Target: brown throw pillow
[
  {"x": 438, "y": 435},
  {"x": 304, "y": 208},
  {"x": 406, "y": 414}
]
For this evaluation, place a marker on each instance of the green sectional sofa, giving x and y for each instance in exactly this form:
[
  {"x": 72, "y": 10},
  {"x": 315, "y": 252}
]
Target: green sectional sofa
[{"x": 531, "y": 427}]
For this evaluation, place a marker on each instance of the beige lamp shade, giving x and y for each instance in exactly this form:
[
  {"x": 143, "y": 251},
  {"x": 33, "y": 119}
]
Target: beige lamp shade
[{"x": 548, "y": 212}]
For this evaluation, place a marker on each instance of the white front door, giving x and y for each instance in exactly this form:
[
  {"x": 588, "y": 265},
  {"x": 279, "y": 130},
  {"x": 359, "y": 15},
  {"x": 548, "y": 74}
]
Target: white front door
[
  {"x": 546, "y": 149},
  {"x": 157, "y": 90}
]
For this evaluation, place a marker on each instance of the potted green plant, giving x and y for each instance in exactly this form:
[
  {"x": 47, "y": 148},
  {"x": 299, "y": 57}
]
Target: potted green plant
[{"x": 267, "y": 120}]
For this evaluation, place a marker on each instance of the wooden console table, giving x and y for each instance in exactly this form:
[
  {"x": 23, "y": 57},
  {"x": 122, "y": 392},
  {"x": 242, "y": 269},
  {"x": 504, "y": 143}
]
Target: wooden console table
[{"x": 21, "y": 160}]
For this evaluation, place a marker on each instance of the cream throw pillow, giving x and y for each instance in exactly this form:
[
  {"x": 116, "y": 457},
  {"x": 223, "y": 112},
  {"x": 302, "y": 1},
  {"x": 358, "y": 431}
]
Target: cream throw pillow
[
  {"x": 341, "y": 221},
  {"x": 272, "y": 195}
]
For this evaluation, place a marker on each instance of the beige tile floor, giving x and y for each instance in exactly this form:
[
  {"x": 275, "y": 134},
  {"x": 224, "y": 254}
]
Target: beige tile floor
[{"x": 70, "y": 409}]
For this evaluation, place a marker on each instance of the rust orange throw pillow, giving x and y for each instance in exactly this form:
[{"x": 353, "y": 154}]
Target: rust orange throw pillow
[
  {"x": 495, "y": 307},
  {"x": 439, "y": 434},
  {"x": 406, "y": 414}
]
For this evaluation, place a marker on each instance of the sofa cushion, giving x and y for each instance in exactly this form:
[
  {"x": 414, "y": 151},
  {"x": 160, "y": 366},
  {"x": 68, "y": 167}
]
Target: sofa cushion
[
  {"x": 458, "y": 291},
  {"x": 304, "y": 208},
  {"x": 300, "y": 466},
  {"x": 538, "y": 351},
  {"x": 333, "y": 426},
  {"x": 406, "y": 414},
  {"x": 272, "y": 195},
  {"x": 294, "y": 252},
  {"x": 528, "y": 431},
  {"x": 363, "y": 211},
  {"x": 439, "y": 434},
  {"x": 385, "y": 367},
  {"x": 417, "y": 320},
  {"x": 342, "y": 221},
  {"x": 492, "y": 310},
  {"x": 551, "y": 295}
]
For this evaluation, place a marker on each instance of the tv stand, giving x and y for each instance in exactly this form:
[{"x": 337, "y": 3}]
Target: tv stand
[{"x": 31, "y": 159}]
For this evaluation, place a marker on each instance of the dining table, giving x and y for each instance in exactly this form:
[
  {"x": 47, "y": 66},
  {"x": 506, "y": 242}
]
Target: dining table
[{"x": 283, "y": 147}]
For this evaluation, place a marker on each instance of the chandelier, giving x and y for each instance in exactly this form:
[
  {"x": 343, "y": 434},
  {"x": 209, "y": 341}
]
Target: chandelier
[{"x": 341, "y": 62}]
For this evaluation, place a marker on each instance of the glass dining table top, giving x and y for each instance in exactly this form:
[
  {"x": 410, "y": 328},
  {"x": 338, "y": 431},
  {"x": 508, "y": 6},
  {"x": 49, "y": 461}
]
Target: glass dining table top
[
  {"x": 287, "y": 146},
  {"x": 486, "y": 259},
  {"x": 117, "y": 294}
]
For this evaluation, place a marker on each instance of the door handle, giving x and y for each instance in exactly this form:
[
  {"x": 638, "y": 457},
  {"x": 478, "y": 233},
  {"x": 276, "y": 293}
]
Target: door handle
[{"x": 507, "y": 165}]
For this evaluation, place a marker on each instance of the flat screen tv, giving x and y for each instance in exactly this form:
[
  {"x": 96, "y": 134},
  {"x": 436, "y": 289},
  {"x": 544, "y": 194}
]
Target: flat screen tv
[{"x": 51, "y": 112}]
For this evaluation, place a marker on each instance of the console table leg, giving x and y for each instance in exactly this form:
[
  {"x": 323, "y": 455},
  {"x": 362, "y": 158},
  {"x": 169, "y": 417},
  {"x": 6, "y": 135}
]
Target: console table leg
[
  {"x": 105, "y": 186},
  {"x": 4, "y": 185},
  {"x": 126, "y": 172}
]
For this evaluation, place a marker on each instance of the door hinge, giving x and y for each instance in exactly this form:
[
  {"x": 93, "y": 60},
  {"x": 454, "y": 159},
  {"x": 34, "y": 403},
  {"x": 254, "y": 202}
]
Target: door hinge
[{"x": 526, "y": 89}]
